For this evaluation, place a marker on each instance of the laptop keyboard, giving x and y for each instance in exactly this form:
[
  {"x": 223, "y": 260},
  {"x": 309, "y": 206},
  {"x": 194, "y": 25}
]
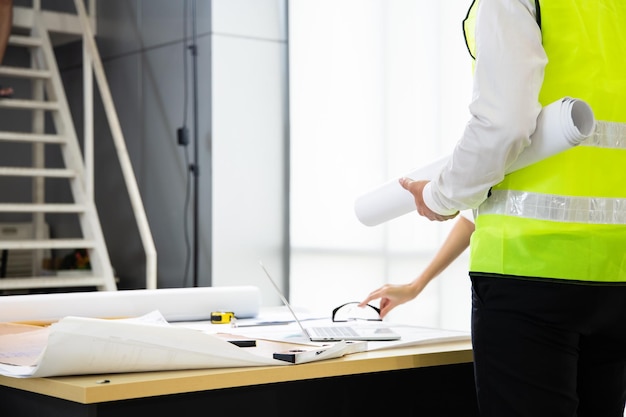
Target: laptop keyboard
[{"x": 338, "y": 332}]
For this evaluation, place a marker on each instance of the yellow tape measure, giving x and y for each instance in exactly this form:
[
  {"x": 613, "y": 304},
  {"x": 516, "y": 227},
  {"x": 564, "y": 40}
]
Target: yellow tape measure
[{"x": 221, "y": 317}]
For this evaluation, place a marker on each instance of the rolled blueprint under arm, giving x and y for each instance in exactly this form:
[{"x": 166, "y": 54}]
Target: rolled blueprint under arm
[{"x": 560, "y": 126}]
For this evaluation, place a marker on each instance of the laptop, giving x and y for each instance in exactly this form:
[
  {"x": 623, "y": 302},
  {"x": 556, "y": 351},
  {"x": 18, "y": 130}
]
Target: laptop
[{"x": 336, "y": 333}]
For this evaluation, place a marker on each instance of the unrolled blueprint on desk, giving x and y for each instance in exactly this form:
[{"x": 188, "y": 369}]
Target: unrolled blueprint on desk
[
  {"x": 79, "y": 345},
  {"x": 82, "y": 345}
]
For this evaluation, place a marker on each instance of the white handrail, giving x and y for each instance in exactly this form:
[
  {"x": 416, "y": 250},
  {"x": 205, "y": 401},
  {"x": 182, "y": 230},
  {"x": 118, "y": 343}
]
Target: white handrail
[{"x": 91, "y": 54}]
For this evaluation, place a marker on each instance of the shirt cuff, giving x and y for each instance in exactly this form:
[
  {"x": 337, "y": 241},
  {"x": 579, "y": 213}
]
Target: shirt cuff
[{"x": 432, "y": 203}]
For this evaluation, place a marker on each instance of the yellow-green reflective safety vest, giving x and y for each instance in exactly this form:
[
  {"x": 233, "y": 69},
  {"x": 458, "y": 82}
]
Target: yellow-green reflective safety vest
[{"x": 565, "y": 217}]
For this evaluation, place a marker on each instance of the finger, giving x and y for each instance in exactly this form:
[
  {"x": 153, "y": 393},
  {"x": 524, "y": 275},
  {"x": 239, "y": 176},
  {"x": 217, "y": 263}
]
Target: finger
[
  {"x": 442, "y": 218},
  {"x": 364, "y": 302},
  {"x": 372, "y": 296},
  {"x": 405, "y": 182},
  {"x": 384, "y": 310}
]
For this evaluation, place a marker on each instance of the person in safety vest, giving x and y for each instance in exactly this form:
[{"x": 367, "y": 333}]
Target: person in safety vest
[{"x": 548, "y": 253}]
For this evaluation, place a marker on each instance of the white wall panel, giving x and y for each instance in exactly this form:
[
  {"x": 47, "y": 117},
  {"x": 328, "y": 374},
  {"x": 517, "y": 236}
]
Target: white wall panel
[
  {"x": 260, "y": 19},
  {"x": 249, "y": 127}
]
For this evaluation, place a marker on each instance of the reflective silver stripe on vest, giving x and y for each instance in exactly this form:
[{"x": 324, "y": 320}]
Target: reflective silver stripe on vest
[
  {"x": 555, "y": 208},
  {"x": 607, "y": 135},
  {"x": 562, "y": 208}
]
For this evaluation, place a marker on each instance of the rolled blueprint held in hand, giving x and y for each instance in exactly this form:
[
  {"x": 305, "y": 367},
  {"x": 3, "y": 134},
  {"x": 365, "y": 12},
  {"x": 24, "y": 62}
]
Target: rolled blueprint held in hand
[{"x": 560, "y": 126}]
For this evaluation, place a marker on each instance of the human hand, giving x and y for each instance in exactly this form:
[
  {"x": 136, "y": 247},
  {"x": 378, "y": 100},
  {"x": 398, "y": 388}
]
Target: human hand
[
  {"x": 416, "y": 188},
  {"x": 391, "y": 296}
]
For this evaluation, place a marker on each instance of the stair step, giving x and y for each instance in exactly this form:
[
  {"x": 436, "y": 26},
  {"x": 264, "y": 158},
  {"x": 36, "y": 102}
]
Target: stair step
[
  {"x": 37, "y": 172},
  {"x": 27, "y": 41},
  {"x": 41, "y": 208},
  {"x": 51, "y": 282},
  {"x": 47, "y": 244},
  {"x": 12, "y": 103},
  {"x": 52, "y": 103},
  {"x": 31, "y": 137},
  {"x": 24, "y": 72}
]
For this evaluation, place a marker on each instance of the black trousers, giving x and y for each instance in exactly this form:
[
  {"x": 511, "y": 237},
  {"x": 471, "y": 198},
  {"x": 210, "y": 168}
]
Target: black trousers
[{"x": 545, "y": 348}]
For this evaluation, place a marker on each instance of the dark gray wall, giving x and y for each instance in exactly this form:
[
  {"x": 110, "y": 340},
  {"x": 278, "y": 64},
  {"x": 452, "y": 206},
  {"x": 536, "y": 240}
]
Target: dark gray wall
[{"x": 143, "y": 48}]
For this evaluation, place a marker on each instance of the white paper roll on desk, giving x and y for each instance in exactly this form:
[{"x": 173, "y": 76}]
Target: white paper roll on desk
[
  {"x": 175, "y": 304},
  {"x": 560, "y": 126}
]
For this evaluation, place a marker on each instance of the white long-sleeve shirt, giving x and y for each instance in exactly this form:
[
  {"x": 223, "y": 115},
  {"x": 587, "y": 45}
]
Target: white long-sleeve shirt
[{"x": 508, "y": 75}]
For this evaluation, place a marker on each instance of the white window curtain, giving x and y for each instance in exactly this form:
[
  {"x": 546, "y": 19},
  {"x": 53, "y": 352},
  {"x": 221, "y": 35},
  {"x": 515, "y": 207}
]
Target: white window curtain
[{"x": 377, "y": 88}]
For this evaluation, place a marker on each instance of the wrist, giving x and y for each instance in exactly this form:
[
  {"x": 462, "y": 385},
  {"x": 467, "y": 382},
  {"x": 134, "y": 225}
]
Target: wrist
[
  {"x": 431, "y": 202},
  {"x": 416, "y": 286}
]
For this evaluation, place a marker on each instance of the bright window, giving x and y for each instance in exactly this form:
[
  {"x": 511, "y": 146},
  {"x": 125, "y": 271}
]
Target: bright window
[{"x": 377, "y": 88}]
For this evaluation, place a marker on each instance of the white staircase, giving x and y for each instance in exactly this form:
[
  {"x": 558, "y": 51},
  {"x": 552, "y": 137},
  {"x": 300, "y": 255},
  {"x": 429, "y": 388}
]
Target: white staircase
[{"x": 49, "y": 102}]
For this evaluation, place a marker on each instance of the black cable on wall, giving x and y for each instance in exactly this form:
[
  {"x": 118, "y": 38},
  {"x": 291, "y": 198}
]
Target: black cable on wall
[{"x": 192, "y": 253}]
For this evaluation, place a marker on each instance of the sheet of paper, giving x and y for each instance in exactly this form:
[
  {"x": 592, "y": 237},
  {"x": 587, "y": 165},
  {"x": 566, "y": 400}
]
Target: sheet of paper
[
  {"x": 12, "y": 328},
  {"x": 560, "y": 126},
  {"x": 416, "y": 335},
  {"x": 22, "y": 344}
]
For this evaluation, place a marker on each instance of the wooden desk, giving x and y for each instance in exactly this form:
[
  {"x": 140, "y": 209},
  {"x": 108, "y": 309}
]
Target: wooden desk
[{"x": 430, "y": 380}]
